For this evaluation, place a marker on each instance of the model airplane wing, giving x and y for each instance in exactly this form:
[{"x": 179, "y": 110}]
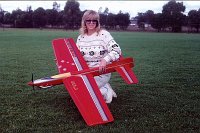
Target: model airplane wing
[
  {"x": 88, "y": 99},
  {"x": 82, "y": 88}
]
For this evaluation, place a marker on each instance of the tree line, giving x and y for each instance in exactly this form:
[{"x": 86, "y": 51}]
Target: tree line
[
  {"x": 172, "y": 17},
  {"x": 69, "y": 18}
]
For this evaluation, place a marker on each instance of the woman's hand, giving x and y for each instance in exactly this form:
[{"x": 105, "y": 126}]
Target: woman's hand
[{"x": 102, "y": 66}]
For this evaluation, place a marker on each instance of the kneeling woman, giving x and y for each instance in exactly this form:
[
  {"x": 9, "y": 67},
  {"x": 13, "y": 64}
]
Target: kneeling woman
[{"x": 98, "y": 49}]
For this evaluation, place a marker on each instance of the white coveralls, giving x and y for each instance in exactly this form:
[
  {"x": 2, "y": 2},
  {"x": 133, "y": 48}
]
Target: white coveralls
[{"x": 94, "y": 48}]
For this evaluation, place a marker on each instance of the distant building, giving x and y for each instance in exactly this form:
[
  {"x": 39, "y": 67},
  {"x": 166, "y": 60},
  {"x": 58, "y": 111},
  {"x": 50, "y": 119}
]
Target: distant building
[{"x": 133, "y": 21}]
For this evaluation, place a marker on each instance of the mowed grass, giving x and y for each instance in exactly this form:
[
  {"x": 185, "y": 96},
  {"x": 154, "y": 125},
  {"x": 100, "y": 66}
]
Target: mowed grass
[{"x": 165, "y": 100}]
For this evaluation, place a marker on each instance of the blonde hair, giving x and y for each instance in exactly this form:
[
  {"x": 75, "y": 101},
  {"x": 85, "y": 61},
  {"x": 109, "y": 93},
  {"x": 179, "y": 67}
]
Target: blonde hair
[{"x": 89, "y": 14}]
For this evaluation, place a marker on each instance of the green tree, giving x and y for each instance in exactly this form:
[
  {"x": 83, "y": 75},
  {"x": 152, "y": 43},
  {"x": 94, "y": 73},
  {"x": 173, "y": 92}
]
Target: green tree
[
  {"x": 72, "y": 15},
  {"x": 141, "y": 20},
  {"x": 111, "y": 21},
  {"x": 60, "y": 18},
  {"x": 173, "y": 15},
  {"x": 29, "y": 17},
  {"x": 194, "y": 19},
  {"x": 7, "y": 18},
  {"x": 157, "y": 22},
  {"x": 16, "y": 17},
  {"x": 25, "y": 18},
  {"x": 149, "y": 16},
  {"x": 1, "y": 15},
  {"x": 22, "y": 20},
  {"x": 103, "y": 19},
  {"x": 39, "y": 18},
  {"x": 145, "y": 18},
  {"x": 123, "y": 20},
  {"x": 52, "y": 16}
]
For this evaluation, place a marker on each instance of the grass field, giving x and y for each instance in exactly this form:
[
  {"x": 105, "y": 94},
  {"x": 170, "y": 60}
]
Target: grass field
[{"x": 167, "y": 98}]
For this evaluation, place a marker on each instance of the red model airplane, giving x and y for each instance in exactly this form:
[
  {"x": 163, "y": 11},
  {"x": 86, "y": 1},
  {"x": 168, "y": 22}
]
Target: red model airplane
[{"x": 78, "y": 79}]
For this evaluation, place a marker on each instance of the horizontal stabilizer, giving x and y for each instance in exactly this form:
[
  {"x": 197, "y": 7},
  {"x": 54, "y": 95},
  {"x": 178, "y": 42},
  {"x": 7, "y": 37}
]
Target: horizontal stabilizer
[{"x": 127, "y": 74}]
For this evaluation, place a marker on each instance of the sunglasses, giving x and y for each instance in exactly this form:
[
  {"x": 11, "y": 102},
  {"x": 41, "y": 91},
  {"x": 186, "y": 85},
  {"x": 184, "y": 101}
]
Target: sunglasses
[{"x": 91, "y": 21}]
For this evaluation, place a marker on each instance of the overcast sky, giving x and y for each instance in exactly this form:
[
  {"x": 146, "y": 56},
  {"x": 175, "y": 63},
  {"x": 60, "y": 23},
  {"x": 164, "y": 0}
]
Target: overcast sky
[{"x": 132, "y": 7}]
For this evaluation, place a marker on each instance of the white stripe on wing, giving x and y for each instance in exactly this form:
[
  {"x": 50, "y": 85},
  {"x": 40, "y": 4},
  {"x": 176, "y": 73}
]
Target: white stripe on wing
[{"x": 87, "y": 83}]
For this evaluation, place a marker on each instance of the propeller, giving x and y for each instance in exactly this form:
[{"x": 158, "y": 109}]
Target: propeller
[{"x": 32, "y": 82}]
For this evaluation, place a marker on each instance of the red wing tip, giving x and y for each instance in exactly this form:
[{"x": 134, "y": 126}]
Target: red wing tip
[
  {"x": 100, "y": 123},
  {"x": 135, "y": 82}
]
